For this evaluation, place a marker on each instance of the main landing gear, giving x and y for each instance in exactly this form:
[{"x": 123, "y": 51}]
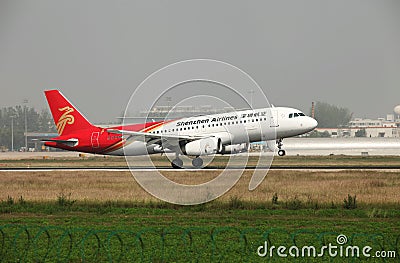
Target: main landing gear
[
  {"x": 177, "y": 163},
  {"x": 281, "y": 152},
  {"x": 197, "y": 162}
]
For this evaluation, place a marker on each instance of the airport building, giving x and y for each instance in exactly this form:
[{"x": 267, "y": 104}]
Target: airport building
[
  {"x": 34, "y": 143},
  {"x": 388, "y": 127}
]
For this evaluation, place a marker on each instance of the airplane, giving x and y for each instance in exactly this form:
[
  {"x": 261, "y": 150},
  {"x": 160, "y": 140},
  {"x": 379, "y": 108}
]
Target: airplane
[{"x": 224, "y": 133}]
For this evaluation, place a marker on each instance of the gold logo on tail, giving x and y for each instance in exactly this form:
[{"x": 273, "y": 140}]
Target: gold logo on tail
[{"x": 65, "y": 119}]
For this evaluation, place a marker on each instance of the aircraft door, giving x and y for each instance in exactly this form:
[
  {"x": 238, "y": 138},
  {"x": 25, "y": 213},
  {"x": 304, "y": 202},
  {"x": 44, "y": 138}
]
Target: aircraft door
[
  {"x": 95, "y": 139},
  {"x": 274, "y": 118}
]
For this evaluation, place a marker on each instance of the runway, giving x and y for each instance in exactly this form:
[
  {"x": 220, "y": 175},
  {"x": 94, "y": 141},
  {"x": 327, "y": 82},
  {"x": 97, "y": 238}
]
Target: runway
[{"x": 167, "y": 168}]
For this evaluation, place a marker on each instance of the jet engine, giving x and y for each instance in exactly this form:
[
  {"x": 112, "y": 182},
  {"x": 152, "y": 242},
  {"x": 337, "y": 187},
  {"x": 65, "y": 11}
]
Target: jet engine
[
  {"x": 235, "y": 148},
  {"x": 206, "y": 146}
]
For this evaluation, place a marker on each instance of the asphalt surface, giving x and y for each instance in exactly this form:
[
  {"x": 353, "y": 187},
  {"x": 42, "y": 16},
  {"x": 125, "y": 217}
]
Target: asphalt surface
[{"x": 211, "y": 168}]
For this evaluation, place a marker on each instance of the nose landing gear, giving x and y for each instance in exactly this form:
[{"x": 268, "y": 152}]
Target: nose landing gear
[{"x": 281, "y": 152}]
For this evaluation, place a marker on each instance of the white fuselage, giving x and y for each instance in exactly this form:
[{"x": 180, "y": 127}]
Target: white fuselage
[{"x": 232, "y": 128}]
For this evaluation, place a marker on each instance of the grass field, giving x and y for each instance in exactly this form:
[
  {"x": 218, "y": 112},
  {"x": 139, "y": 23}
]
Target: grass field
[
  {"x": 304, "y": 187},
  {"x": 157, "y": 232},
  {"x": 100, "y": 216}
]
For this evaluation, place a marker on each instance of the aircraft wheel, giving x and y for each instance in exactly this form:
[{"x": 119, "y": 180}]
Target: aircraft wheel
[
  {"x": 281, "y": 152},
  {"x": 197, "y": 162},
  {"x": 177, "y": 163}
]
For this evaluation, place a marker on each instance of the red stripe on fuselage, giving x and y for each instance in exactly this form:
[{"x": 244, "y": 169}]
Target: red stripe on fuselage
[{"x": 143, "y": 127}]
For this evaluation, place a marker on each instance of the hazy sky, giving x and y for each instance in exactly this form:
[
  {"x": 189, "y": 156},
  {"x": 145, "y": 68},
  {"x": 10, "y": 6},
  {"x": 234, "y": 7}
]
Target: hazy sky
[{"x": 342, "y": 52}]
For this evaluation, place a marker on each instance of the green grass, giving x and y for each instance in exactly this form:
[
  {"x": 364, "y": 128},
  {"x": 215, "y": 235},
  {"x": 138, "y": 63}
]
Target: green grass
[
  {"x": 69, "y": 230},
  {"x": 171, "y": 233}
]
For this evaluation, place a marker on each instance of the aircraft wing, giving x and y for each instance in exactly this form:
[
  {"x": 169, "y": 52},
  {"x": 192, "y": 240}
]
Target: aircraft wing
[{"x": 162, "y": 139}]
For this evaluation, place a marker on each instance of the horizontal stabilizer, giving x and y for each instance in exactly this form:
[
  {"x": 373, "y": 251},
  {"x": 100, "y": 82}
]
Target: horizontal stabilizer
[{"x": 69, "y": 142}]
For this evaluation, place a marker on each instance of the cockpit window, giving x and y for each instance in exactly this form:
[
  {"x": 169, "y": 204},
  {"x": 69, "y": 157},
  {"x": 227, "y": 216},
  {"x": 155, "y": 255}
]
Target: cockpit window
[{"x": 296, "y": 114}]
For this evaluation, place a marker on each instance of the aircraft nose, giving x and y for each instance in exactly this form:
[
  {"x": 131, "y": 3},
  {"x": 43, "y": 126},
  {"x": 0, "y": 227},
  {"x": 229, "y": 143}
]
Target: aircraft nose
[
  {"x": 308, "y": 124},
  {"x": 313, "y": 123}
]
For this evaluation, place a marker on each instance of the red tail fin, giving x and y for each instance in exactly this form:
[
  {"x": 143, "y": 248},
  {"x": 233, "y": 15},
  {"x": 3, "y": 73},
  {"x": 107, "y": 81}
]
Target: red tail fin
[{"x": 66, "y": 117}]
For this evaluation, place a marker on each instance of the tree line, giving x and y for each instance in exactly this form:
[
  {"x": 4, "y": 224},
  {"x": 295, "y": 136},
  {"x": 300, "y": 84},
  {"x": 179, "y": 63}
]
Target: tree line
[
  {"x": 331, "y": 116},
  {"x": 36, "y": 122}
]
